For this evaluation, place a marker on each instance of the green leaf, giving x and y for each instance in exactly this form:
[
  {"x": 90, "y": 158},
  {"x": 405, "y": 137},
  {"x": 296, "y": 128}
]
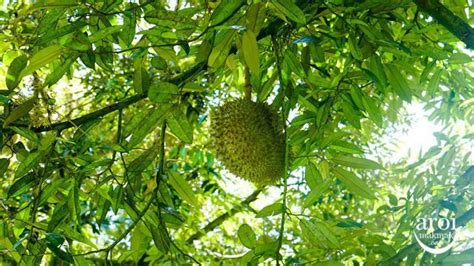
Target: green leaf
[
  {"x": 316, "y": 193},
  {"x": 42, "y": 58},
  {"x": 373, "y": 110},
  {"x": 459, "y": 58},
  {"x": 319, "y": 233},
  {"x": 129, "y": 25},
  {"x": 20, "y": 111},
  {"x": 59, "y": 71},
  {"x": 148, "y": 124},
  {"x": 54, "y": 239},
  {"x": 26, "y": 133},
  {"x": 4, "y": 163},
  {"x": 225, "y": 11},
  {"x": 101, "y": 34},
  {"x": 354, "y": 183},
  {"x": 464, "y": 257},
  {"x": 351, "y": 114},
  {"x": 182, "y": 187},
  {"x": 255, "y": 17},
  {"x": 28, "y": 163},
  {"x": 180, "y": 126},
  {"x": 73, "y": 202},
  {"x": 57, "y": 33},
  {"x": 140, "y": 163},
  {"x": 139, "y": 241},
  {"x": 221, "y": 50},
  {"x": 117, "y": 197},
  {"x": 354, "y": 48},
  {"x": 250, "y": 52},
  {"x": 247, "y": 236},
  {"x": 312, "y": 176},
  {"x": 346, "y": 147},
  {"x": 162, "y": 92},
  {"x": 104, "y": 57},
  {"x": 433, "y": 85},
  {"x": 60, "y": 213},
  {"x": 324, "y": 169},
  {"x": 349, "y": 224},
  {"x": 13, "y": 77},
  {"x": 290, "y": 10},
  {"x": 356, "y": 162},
  {"x": 63, "y": 255},
  {"x": 270, "y": 210},
  {"x": 71, "y": 233},
  {"x": 398, "y": 82},
  {"x": 21, "y": 185}
]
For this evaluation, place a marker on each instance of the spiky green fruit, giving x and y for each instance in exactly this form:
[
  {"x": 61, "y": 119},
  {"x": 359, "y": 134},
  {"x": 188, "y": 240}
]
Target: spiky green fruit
[{"x": 248, "y": 139}]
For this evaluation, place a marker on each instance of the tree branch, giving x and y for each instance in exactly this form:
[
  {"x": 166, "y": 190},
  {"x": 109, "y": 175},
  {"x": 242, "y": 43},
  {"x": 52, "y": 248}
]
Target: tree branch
[
  {"x": 220, "y": 219},
  {"x": 414, "y": 248},
  {"x": 457, "y": 26},
  {"x": 271, "y": 29},
  {"x": 116, "y": 106}
]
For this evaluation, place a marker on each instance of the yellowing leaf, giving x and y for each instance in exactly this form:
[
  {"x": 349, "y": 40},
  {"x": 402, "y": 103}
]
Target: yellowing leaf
[{"x": 250, "y": 50}]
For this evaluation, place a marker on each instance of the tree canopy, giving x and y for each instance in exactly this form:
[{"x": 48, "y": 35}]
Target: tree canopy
[{"x": 107, "y": 156}]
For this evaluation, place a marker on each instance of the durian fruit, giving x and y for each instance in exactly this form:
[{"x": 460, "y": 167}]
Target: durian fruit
[{"x": 249, "y": 141}]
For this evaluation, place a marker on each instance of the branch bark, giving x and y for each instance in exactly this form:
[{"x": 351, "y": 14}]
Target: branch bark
[
  {"x": 457, "y": 26},
  {"x": 220, "y": 219},
  {"x": 116, "y": 106}
]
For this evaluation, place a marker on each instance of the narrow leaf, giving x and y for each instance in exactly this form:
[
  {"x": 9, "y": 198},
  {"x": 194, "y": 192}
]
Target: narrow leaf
[
  {"x": 398, "y": 82},
  {"x": 148, "y": 124},
  {"x": 312, "y": 176},
  {"x": 225, "y": 11},
  {"x": 357, "y": 162},
  {"x": 28, "y": 163},
  {"x": 180, "y": 126},
  {"x": 221, "y": 50},
  {"x": 59, "y": 71},
  {"x": 250, "y": 52},
  {"x": 354, "y": 183},
  {"x": 315, "y": 194},
  {"x": 162, "y": 92},
  {"x": 182, "y": 187},
  {"x": 101, "y": 34},
  {"x": 290, "y": 10},
  {"x": 20, "y": 111},
  {"x": 13, "y": 77},
  {"x": 42, "y": 58},
  {"x": 21, "y": 186}
]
